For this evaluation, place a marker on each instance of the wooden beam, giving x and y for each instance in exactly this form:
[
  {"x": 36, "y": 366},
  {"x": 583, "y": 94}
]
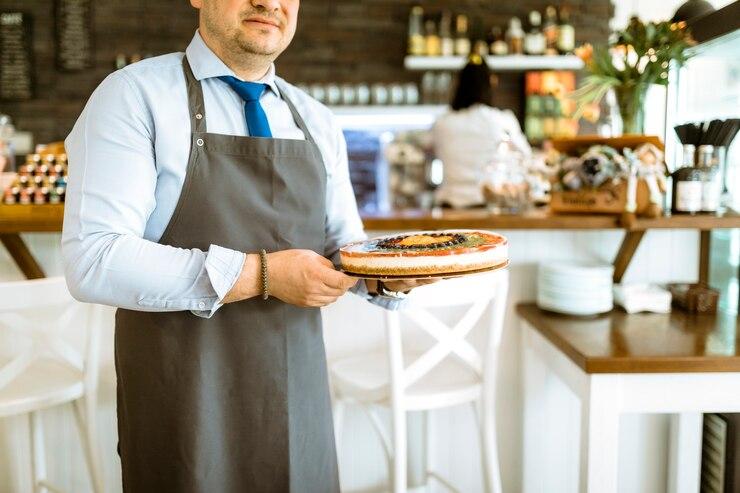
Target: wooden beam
[
  {"x": 626, "y": 251},
  {"x": 22, "y": 256},
  {"x": 705, "y": 244}
]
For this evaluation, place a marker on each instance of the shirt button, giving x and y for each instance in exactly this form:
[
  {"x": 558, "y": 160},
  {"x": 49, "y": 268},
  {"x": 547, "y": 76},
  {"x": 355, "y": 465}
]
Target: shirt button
[
  {"x": 202, "y": 305},
  {"x": 198, "y": 116},
  {"x": 199, "y": 142}
]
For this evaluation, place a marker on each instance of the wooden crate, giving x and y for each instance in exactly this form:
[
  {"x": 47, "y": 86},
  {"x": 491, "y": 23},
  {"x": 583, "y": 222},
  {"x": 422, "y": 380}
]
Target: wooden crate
[{"x": 609, "y": 198}]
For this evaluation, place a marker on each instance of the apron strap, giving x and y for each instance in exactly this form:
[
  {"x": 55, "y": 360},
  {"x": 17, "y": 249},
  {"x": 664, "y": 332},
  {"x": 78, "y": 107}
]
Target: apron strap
[
  {"x": 296, "y": 116},
  {"x": 195, "y": 99},
  {"x": 198, "y": 108}
]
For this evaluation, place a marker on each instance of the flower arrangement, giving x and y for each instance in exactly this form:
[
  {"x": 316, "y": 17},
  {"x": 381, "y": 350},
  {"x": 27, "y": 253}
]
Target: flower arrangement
[{"x": 638, "y": 56}]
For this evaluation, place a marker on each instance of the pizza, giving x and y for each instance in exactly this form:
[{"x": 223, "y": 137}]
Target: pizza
[{"x": 425, "y": 253}]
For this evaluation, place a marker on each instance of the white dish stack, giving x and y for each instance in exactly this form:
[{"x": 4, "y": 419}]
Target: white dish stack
[{"x": 575, "y": 289}]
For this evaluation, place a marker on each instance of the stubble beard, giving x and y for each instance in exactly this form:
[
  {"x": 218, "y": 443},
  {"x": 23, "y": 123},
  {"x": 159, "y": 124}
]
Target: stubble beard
[{"x": 236, "y": 47}]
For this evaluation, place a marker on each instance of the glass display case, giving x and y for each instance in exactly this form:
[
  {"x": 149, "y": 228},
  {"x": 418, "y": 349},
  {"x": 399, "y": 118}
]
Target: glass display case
[{"x": 389, "y": 163}]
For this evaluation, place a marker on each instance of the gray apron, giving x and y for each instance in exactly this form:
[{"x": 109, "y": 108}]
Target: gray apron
[{"x": 238, "y": 402}]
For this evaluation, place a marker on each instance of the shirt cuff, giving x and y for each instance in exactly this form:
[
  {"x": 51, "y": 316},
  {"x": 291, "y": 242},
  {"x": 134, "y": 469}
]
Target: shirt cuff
[
  {"x": 360, "y": 289},
  {"x": 223, "y": 267}
]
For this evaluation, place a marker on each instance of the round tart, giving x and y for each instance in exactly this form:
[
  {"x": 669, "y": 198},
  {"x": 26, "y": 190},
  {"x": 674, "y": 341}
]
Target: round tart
[{"x": 425, "y": 253}]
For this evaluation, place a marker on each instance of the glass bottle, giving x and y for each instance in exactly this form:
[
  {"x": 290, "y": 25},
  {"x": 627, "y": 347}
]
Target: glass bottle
[
  {"x": 416, "y": 41},
  {"x": 462, "y": 40},
  {"x": 711, "y": 189},
  {"x": 534, "y": 40},
  {"x": 566, "y": 33},
  {"x": 515, "y": 36},
  {"x": 447, "y": 43},
  {"x": 433, "y": 42},
  {"x": 499, "y": 47},
  {"x": 550, "y": 30},
  {"x": 687, "y": 185},
  {"x": 481, "y": 48}
]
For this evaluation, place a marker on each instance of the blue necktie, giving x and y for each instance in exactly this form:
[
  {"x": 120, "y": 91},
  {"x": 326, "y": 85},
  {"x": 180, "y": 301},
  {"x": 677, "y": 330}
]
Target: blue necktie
[{"x": 250, "y": 92}]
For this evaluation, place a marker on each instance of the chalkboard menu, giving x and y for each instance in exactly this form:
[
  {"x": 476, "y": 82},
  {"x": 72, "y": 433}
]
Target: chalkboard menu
[
  {"x": 16, "y": 57},
  {"x": 74, "y": 34}
]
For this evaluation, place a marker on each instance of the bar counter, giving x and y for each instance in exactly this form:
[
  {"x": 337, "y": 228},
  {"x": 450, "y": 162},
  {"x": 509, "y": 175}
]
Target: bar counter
[
  {"x": 48, "y": 218},
  {"x": 16, "y": 219}
]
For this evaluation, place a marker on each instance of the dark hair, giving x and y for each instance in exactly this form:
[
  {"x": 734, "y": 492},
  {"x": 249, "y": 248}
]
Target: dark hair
[{"x": 473, "y": 86}]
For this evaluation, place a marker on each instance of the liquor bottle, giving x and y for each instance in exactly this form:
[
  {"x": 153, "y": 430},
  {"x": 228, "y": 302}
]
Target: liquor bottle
[
  {"x": 566, "y": 33},
  {"x": 499, "y": 47},
  {"x": 445, "y": 34},
  {"x": 9, "y": 196},
  {"x": 711, "y": 188},
  {"x": 416, "y": 42},
  {"x": 550, "y": 30},
  {"x": 687, "y": 185},
  {"x": 515, "y": 36},
  {"x": 480, "y": 48},
  {"x": 24, "y": 196},
  {"x": 462, "y": 41},
  {"x": 534, "y": 40},
  {"x": 433, "y": 43}
]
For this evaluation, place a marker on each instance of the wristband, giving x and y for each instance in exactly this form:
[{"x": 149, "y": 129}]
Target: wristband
[
  {"x": 263, "y": 262},
  {"x": 384, "y": 291}
]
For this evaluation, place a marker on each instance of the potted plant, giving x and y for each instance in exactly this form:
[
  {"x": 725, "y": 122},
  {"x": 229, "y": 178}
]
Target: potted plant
[{"x": 637, "y": 57}]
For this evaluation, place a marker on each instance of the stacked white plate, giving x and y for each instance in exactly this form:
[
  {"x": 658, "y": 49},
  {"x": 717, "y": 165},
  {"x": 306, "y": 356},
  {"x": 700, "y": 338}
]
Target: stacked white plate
[{"x": 575, "y": 288}]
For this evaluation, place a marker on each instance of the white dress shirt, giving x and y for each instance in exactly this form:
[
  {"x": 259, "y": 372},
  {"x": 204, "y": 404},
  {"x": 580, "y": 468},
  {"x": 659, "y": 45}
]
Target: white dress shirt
[
  {"x": 466, "y": 141},
  {"x": 128, "y": 154}
]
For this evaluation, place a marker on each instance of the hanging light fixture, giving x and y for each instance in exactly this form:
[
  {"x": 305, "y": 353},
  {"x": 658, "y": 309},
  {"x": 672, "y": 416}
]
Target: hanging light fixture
[{"x": 691, "y": 9}]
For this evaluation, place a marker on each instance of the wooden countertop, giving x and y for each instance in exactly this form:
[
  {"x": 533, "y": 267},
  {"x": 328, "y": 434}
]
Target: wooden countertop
[
  {"x": 618, "y": 342},
  {"x": 541, "y": 218},
  {"x": 48, "y": 218}
]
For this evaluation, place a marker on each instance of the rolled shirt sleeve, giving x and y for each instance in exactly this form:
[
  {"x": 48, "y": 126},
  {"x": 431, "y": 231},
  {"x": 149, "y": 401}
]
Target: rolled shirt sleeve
[{"x": 110, "y": 196}]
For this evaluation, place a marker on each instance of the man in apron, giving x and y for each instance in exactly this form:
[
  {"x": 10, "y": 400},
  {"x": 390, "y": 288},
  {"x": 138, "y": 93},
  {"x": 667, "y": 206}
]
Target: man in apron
[{"x": 182, "y": 169}]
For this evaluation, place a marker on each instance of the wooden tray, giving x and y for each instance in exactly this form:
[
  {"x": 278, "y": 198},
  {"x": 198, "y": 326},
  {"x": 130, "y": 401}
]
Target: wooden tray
[{"x": 441, "y": 275}]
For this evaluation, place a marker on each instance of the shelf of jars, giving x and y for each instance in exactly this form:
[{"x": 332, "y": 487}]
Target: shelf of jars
[
  {"x": 511, "y": 63},
  {"x": 377, "y": 117},
  {"x": 376, "y": 109}
]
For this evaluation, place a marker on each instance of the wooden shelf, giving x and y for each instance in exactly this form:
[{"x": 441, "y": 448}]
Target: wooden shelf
[
  {"x": 16, "y": 219},
  {"x": 48, "y": 218},
  {"x": 513, "y": 63},
  {"x": 31, "y": 218},
  {"x": 535, "y": 219}
]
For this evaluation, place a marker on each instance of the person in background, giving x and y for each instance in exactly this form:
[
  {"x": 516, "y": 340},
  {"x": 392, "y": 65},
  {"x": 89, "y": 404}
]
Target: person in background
[{"x": 467, "y": 138}]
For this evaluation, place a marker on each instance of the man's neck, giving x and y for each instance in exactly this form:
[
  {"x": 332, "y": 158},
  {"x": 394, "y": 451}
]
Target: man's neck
[{"x": 246, "y": 67}]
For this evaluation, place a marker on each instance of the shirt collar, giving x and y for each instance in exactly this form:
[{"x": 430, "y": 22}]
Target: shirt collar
[{"x": 206, "y": 64}]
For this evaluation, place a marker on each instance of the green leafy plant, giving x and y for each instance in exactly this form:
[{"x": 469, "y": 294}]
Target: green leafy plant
[{"x": 638, "y": 56}]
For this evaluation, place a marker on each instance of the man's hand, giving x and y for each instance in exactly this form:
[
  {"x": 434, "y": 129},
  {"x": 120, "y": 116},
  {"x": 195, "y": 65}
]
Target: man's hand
[
  {"x": 305, "y": 278},
  {"x": 299, "y": 277}
]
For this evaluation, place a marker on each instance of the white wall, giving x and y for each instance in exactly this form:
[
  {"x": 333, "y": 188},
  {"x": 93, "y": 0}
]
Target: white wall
[{"x": 663, "y": 256}]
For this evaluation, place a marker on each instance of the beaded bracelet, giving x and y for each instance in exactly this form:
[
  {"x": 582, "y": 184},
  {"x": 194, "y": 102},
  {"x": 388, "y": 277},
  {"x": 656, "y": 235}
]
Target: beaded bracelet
[{"x": 263, "y": 261}]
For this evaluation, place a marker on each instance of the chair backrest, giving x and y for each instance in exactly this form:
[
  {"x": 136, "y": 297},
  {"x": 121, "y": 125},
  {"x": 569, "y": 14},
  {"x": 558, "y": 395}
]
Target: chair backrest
[
  {"x": 475, "y": 294},
  {"x": 40, "y": 319}
]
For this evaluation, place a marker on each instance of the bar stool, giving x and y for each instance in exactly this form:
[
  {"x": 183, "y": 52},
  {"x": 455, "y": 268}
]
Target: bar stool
[
  {"x": 42, "y": 365},
  {"x": 450, "y": 373}
]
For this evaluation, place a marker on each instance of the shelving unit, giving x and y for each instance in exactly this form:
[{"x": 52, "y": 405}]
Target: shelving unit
[
  {"x": 376, "y": 116},
  {"x": 511, "y": 63}
]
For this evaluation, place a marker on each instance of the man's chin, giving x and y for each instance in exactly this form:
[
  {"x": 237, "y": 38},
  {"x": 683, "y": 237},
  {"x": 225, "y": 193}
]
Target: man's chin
[{"x": 259, "y": 47}]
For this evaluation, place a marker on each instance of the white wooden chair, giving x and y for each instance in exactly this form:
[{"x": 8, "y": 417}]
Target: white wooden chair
[
  {"x": 41, "y": 365},
  {"x": 450, "y": 373}
]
